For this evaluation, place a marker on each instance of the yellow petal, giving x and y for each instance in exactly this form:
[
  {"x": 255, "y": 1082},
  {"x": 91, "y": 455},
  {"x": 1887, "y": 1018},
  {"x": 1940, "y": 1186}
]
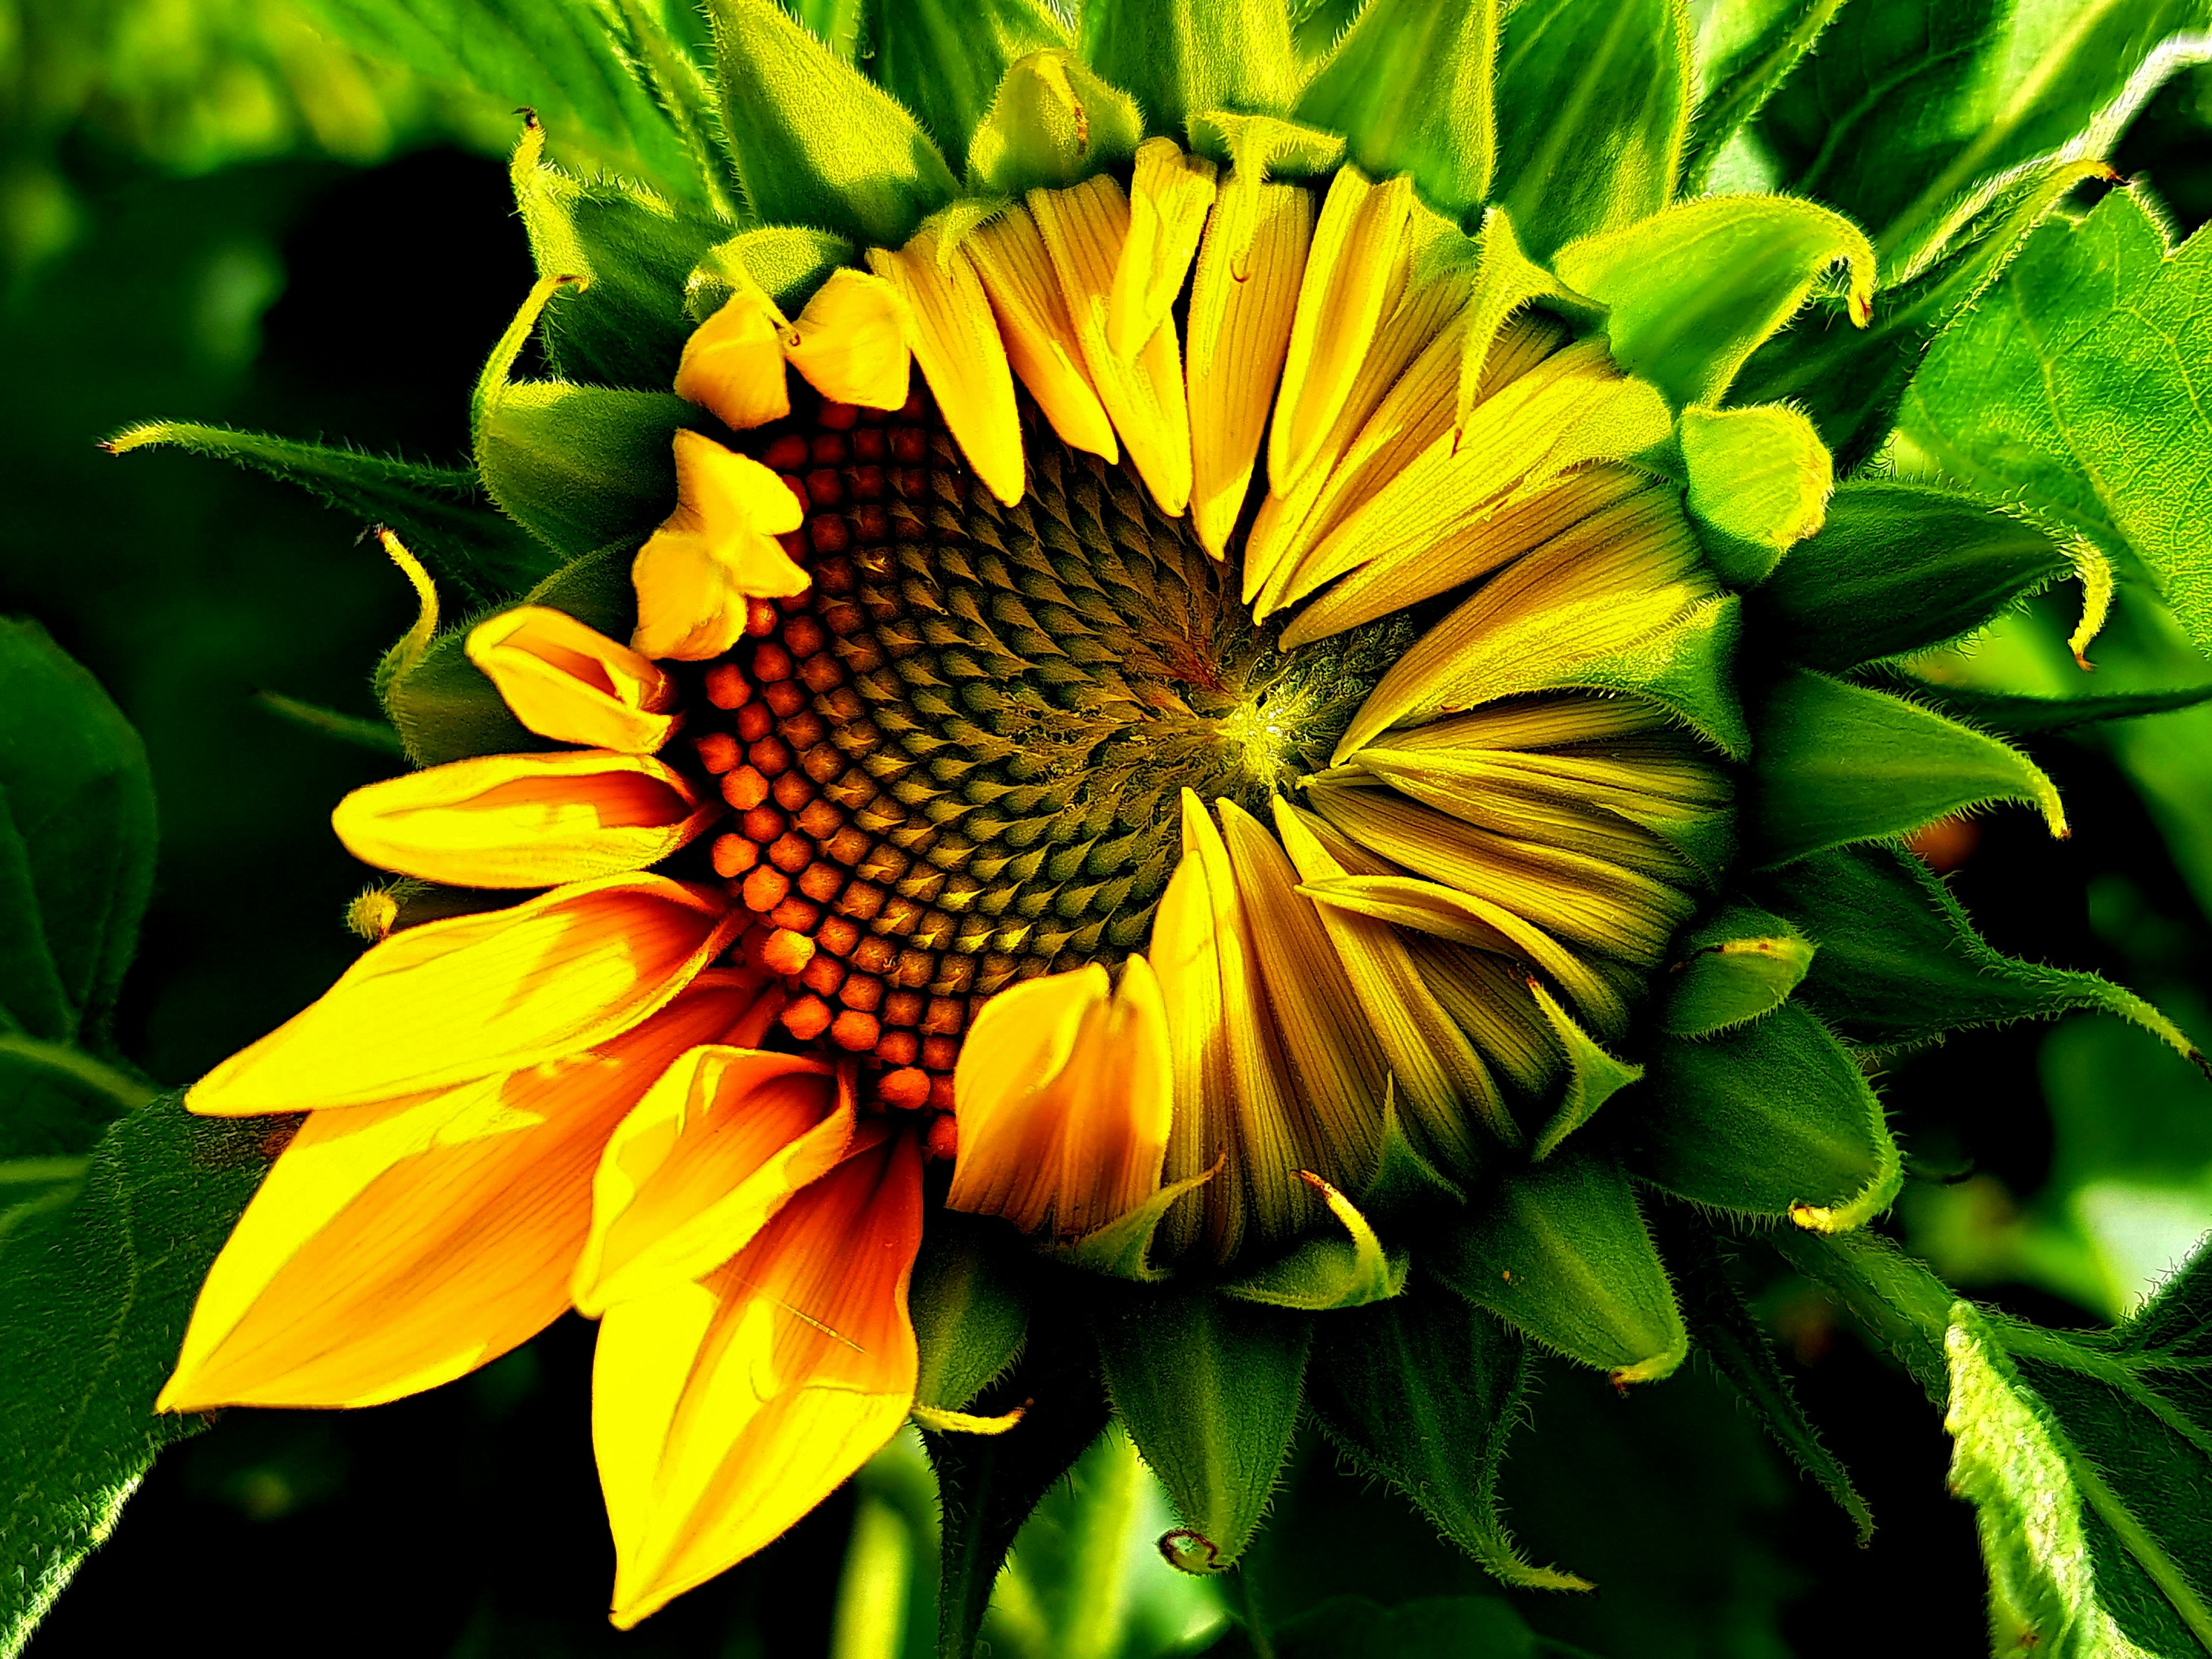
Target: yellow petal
[
  {"x": 851, "y": 342},
  {"x": 956, "y": 340},
  {"x": 1066, "y": 1095},
  {"x": 1232, "y": 1083},
  {"x": 391, "y": 1248},
  {"x": 724, "y": 1410},
  {"x": 524, "y": 820},
  {"x": 733, "y": 363},
  {"x": 1353, "y": 275},
  {"x": 1084, "y": 229},
  {"x": 712, "y": 1153},
  {"x": 693, "y": 574},
  {"x": 1242, "y": 304},
  {"x": 570, "y": 683},
  {"x": 1168, "y": 198},
  {"x": 1010, "y": 257},
  {"x": 450, "y": 1001}
]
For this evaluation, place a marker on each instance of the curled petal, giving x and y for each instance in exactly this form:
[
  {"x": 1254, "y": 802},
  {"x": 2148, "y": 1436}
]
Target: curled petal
[
  {"x": 709, "y": 1155},
  {"x": 733, "y": 363},
  {"x": 956, "y": 339},
  {"x": 570, "y": 683},
  {"x": 452, "y": 1001},
  {"x": 524, "y": 820},
  {"x": 725, "y": 1409},
  {"x": 1065, "y": 1094},
  {"x": 694, "y": 573},
  {"x": 850, "y": 342},
  {"x": 394, "y": 1247},
  {"x": 1169, "y": 200}
]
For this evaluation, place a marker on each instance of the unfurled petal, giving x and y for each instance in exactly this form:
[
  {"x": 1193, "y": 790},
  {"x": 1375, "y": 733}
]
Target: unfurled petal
[
  {"x": 724, "y": 1410},
  {"x": 956, "y": 340},
  {"x": 452, "y": 1001},
  {"x": 1353, "y": 280},
  {"x": 1242, "y": 303},
  {"x": 392, "y": 1248},
  {"x": 709, "y": 1155},
  {"x": 1083, "y": 230},
  {"x": 524, "y": 820},
  {"x": 733, "y": 363},
  {"x": 1168, "y": 198},
  {"x": 570, "y": 683},
  {"x": 718, "y": 548},
  {"x": 850, "y": 342},
  {"x": 1066, "y": 1096},
  {"x": 1010, "y": 257}
]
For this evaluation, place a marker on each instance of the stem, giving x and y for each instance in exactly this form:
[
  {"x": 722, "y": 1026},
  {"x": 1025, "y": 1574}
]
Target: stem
[
  {"x": 1254, "y": 1626},
  {"x": 1901, "y": 1302}
]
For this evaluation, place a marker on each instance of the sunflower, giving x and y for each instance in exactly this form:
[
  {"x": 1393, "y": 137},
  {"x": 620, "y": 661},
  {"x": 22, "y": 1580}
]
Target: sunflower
[{"x": 1212, "y": 690}]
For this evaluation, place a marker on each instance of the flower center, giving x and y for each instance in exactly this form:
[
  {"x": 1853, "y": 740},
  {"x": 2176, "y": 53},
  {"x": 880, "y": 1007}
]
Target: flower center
[{"x": 958, "y": 759}]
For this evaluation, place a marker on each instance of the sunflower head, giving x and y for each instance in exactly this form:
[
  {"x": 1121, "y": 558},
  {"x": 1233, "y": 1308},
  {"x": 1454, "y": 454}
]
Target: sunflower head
[{"x": 1197, "y": 620}]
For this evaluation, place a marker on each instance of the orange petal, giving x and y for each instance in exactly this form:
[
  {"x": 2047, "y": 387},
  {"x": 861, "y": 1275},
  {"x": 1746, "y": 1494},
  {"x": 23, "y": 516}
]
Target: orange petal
[
  {"x": 733, "y": 363},
  {"x": 694, "y": 573},
  {"x": 712, "y": 1153},
  {"x": 524, "y": 820},
  {"x": 956, "y": 340},
  {"x": 452, "y": 1001},
  {"x": 392, "y": 1248},
  {"x": 570, "y": 683},
  {"x": 1065, "y": 1093},
  {"x": 850, "y": 342},
  {"x": 725, "y": 1409}
]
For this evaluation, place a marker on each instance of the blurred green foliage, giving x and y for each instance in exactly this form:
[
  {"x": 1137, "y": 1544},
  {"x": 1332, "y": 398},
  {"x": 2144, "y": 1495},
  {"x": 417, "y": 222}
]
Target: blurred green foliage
[{"x": 208, "y": 209}]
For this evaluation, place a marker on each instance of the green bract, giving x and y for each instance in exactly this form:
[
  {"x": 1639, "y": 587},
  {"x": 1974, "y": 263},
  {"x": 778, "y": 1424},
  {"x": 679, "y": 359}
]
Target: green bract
[{"x": 1775, "y": 337}]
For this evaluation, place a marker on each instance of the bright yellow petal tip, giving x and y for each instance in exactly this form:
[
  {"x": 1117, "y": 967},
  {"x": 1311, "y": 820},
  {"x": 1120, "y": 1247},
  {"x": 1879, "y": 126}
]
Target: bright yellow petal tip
[
  {"x": 1065, "y": 1097},
  {"x": 716, "y": 550},
  {"x": 570, "y": 683},
  {"x": 850, "y": 343},
  {"x": 732, "y": 364}
]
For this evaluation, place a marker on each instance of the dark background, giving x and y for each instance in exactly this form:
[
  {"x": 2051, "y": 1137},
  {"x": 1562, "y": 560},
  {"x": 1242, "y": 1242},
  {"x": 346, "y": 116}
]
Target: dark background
[{"x": 313, "y": 295}]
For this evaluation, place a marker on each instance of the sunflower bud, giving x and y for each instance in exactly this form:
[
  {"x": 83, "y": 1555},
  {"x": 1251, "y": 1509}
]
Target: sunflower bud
[{"x": 1065, "y": 1092}]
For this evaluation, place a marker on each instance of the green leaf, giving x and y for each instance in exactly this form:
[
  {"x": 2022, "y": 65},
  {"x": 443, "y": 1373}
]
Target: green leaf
[
  {"x": 564, "y": 60},
  {"x": 377, "y": 735},
  {"x": 1899, "y": 567},
  {"x": 970, "y": 1315},
  {"x": 441, "y": 513},
  {"x": 2083, "y": 1467},
  {"x": 1052, "y": 123},
  {"x": 631, "y": 252},
  {"x": 1908, "y": 104},
  {"x": 1743, "y": 963},
  {"x": 1899, "y": 963},
  {"x": 788, "y": 262},
  {"x": 1593, "y": 1076},
  {"x": 1180, "y": 57},
  {"x": 1209, "y": 1389},
  {"x": 1693, "y": 291},
  {"x": 1773, "y": 1119},
  {"x": 835, "y": 23},
  {"x": 1122, "y": 1248},
  {"x": 944, "y": 59},
  {"x": 1684, "y": 667},
  {"x": 1896, "y": 1300},
  {"x": 93, "y": 1304},
  {"x": 2074, "y": 392},
  {"x": 582, "y": 467},
  {"x": 1593, "y": 106},
  {"x": 1323, "y": 1274},
  {"x": 2018, "y": 716},
  {"x": 817, "y": 143},
  {"x": 1411, "y": 86},
  {"x": 1759, "y": 483},
  {"x": 1838, "y": 763},
  {"x": 1422, "y": 1394},
  {"x": 1849, "y": 379},
  {"x": 1723, "y": 1331},
  {"x": 1745, "y": 51},
  {"x": 77, "y": 840},
  {"x": 444, "y": 708},
  {"x": 1560, "y": 1250},
  {"x": 988, "y": 1484}
]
